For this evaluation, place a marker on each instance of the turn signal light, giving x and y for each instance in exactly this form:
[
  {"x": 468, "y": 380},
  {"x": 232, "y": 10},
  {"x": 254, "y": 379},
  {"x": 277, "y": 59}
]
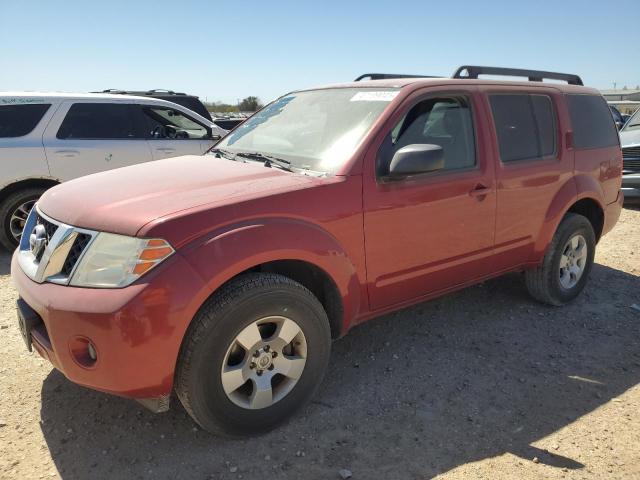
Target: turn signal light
[{"x": 153, "y": 253}]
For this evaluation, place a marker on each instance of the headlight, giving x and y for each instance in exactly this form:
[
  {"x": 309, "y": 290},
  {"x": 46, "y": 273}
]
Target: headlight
[{"x": 113, "y": 261}]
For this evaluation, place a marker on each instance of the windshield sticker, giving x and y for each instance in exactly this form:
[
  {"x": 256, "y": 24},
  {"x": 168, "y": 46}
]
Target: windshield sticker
[
  {"x": 19, "y": 100},
  {"x": 374, "y": 96}
]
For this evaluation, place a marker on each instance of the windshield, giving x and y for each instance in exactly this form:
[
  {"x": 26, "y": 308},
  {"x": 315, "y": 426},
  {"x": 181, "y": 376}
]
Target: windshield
[
  {"x": 314, "y": 130},
  {"x": 633, "y": 122}
]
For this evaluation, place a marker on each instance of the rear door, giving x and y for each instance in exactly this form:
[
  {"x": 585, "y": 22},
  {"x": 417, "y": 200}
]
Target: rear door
[
  {"x": 89, "y": 137},
  {"x": 531, "y": 165},
  {"x": 172, "y": 132}
]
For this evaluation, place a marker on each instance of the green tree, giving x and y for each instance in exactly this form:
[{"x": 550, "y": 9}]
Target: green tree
[{"x": 250, "y": 104}]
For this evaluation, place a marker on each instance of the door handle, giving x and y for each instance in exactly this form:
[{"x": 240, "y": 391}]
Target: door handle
[
  {"x": 480, "y": 191},
  {"x": 67, "y": 153}
]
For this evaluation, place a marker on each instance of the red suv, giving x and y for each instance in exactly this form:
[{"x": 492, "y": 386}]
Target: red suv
[{"x": 225, "y": 276}]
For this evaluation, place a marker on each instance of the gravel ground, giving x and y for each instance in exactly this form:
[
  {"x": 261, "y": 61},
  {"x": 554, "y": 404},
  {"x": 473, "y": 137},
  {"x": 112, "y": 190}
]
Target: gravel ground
[{"x": 483, "y": 383}]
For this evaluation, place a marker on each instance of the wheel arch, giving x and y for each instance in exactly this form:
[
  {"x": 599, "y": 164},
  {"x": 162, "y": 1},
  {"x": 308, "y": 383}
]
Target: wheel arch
[
  {"x": 299, "y": 250},
  {"x": 580, "y": 195},
  {"x": 312, "y": 277},
  {"x": 33, "y": 182}
]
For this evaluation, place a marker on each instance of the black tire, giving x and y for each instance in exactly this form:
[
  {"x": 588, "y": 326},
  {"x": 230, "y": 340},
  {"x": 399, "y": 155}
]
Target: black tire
[
  {"x": 9, "y": 206},
  {"x": 236, "y": 305},
  {"x": 543, "y": 282}
]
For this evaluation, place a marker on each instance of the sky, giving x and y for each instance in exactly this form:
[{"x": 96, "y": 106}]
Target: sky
[{"x": 226, "y": 50}]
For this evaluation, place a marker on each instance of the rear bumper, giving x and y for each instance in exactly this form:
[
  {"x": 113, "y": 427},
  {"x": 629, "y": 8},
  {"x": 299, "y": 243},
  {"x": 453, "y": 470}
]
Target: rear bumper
[
  {"x": 136, "y": 331},
  {"x": 612, "y": 213},
  {"x": 631, "y": 186}
]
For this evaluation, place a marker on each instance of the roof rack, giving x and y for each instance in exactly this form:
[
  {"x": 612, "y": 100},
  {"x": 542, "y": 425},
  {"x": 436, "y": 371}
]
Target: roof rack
[
  {"x": 472, "y": 71},
  {"x": 386, "y": 76}
]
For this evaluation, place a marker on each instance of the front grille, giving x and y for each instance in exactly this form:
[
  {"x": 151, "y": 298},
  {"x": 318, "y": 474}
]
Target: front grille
[
  {"x": 631, "y": 158},
  {"x": 79, "y": 244},
  {"x": 62, "y": 250},
  {"x": 49, "y": 227}
]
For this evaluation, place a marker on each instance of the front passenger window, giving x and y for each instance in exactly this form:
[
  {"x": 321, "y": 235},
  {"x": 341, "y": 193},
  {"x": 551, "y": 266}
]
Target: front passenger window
[
  {"x": 167, "y": 123},
  {"x": 445, "y": 122}
]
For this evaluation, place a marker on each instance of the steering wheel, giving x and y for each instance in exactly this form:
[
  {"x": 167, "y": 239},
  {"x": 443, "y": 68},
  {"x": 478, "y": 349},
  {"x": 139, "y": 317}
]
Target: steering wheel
[
  {"x": 159, "y": 132},
  {"x": 170, "y": 132}
]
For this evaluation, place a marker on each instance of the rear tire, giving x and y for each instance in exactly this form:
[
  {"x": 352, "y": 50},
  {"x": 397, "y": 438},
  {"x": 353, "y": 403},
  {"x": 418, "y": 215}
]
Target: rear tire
[
  {"x": 13, "y": 214},
  {"x": 563, "y": 273},
  {"x": 289, "y": 319}
]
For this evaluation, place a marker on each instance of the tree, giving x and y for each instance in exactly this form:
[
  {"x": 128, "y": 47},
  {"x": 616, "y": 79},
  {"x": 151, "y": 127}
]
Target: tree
[{"x": 250, "y": 104}]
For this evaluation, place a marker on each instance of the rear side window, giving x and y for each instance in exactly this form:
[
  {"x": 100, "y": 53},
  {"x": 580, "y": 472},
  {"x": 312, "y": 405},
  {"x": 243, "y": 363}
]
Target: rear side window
[
  {"x": 525, "y": 125},
  {"x": 97, "y": 121},
  {"x": 19, "y": 120},
  {"x": 592, "y": 123}
]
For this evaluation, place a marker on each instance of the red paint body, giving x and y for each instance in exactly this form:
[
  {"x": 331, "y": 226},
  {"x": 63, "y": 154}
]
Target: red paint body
[{"x": 384, "y": 245}]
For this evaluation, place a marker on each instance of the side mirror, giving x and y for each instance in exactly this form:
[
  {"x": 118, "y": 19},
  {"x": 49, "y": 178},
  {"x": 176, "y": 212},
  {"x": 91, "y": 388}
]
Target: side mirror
[
  {"x": 415, "y": 159},
  {"x": 619, "y": 124},
  {"x": 216, "y": 137}
]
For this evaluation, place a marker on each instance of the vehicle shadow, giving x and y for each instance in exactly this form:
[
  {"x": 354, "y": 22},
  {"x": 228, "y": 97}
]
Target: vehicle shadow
[{"x": 466, "y": 377}]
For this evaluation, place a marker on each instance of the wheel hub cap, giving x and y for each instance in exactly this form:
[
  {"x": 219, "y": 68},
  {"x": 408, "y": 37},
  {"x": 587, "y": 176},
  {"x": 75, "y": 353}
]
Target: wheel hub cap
[{"x": 264, "y": 361}]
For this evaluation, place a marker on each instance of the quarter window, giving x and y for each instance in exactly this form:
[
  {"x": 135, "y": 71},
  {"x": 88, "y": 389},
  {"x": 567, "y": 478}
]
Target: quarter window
[
  {"x": 592, "y": 123},
  {"x": 99, "y": 121},
  {"x": 444, "y": 121},
  {"x": 525, "y": 125},
  {"x": 19, "y": 120}
]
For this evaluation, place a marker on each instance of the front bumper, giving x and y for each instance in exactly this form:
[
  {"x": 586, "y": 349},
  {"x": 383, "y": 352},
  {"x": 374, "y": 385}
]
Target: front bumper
[
  {"x": 631, "y": 186},
  {"x": 136, "y": 331}
]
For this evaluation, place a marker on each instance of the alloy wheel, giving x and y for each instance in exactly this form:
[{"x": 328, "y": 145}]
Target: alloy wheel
[
  {"x": 264, "y": 362},
  {"x": 19, "y": 219},
  {"x": 573, "y": 261}
]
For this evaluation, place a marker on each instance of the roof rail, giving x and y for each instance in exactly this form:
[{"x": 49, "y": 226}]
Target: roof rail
[
  {"x": 385, "y": 76},
  {"x": 472, "y": 71}
]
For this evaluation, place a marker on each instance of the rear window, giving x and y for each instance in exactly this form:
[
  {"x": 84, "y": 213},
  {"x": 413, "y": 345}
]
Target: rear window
[
  {"x": 525, "y": 125},
  {"x": 100, "y": 121},
  {"x": 592, "y": 123},
  {"x": 19, "y": 120}
]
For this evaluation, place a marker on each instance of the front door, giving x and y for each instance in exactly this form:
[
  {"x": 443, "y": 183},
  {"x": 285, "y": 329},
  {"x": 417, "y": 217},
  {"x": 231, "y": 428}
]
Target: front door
[
  {"x": 429, "y": 232},
  {"x": 172, "y": 133}
]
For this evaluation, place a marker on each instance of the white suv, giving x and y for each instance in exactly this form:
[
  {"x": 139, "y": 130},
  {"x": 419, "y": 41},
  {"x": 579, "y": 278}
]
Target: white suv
[{"x": 47, "y": 138}]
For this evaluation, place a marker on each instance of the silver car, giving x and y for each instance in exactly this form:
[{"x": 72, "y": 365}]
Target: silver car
[{"x": 630, "y": 142}]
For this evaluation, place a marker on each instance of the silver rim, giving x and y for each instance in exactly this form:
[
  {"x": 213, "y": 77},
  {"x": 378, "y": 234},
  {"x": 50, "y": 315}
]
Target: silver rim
[
  {"x": 264, "y": 362},
  {"x": 573, "y": 261},
  {"x": 19, "y": 219}
]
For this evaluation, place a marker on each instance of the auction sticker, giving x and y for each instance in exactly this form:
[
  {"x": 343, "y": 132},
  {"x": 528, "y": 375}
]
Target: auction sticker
[
  {"x": 374, "y": 96},
  {"x": 19, "y": 100}
]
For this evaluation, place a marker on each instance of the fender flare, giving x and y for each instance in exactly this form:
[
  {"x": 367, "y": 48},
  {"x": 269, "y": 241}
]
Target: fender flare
[
  {"x": 575, "y": 189},
  {"x": 233, "y": 249}
]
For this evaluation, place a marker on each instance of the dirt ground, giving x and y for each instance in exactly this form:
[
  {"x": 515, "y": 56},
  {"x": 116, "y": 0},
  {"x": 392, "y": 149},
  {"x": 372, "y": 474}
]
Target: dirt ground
[{"x": 483, "y": 383}]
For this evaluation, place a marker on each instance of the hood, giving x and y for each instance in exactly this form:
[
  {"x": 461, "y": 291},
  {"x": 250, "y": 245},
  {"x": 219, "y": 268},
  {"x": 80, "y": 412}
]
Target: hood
[
  {"x": 630, "y": 137},
  {"x": 125, "y": 199}
]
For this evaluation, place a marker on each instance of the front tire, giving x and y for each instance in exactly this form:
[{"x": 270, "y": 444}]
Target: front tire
[
  {"x": 563, "y": 273},
  {"x": 256, "y": 352},
  {"x": 13, "y": 214}
]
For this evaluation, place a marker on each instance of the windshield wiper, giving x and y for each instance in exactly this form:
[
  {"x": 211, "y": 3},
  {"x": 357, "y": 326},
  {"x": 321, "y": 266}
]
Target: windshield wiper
[
  {"x": 219, "y": 152},
  {"x": 268, "y": 160}
]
